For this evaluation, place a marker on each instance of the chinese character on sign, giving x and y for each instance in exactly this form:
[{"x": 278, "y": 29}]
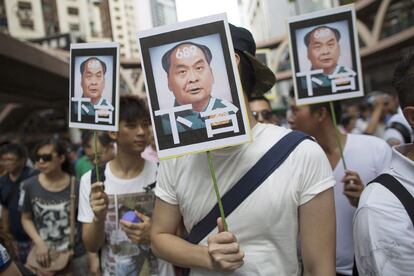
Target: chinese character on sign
[
  {"x": 173, "y": 123},
  {"x": 212, "y": 119},
  {"x": 81, "y": 106},
  {"x": 310, "y": 79},
  {"x": 103, "y": 111},
  {"x": 221, "y": 116},
  {"x": 343, "y": 80}
]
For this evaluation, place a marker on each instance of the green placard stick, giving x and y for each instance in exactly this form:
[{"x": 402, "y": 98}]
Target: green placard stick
[
  {"x": 338, "y": 136},
  {"x": 95, "y": 151},
  {"x": 216, "y": 189}
]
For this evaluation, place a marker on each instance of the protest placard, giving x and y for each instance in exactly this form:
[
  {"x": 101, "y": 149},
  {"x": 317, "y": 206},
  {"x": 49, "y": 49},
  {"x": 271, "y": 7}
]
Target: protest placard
[
  {"x": 324, "y": 53},
  {"x": 194, "y": 92},
  {"x": 93, "y": 86}
]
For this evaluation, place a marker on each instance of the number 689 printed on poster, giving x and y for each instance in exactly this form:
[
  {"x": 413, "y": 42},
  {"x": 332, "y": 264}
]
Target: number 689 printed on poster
[
  {"x": 93, "y": 86},
  {"x": 193, "y": 87}
]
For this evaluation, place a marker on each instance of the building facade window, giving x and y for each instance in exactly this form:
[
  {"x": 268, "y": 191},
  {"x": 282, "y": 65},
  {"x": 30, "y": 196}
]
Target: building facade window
[
  {"x": 50, "y": 17},
  {"x": 23, "y": 5},
  {"x": 25, "y": 14},
  {"x": 3, "y": 18},
  {"x": 74, "y": 27},
  {"x": 399, "y": 16},
  {"x": 73, "y": 11}
]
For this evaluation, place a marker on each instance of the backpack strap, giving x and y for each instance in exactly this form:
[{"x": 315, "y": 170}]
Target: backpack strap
[
  {"x": 150, "y": 187},
  {"x": 101, "y": 169},
  {"x": 403, "y": 130},
  {"x": 403, "y": 195},
  {"x": 72, "y": 219},
  {"x": 268, "y": 163}
]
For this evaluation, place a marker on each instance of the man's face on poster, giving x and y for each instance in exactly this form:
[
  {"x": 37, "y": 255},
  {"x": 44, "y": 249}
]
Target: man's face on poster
[
  {"x": 190, "y": 77},
  {"x": 323, "y": 50},
  {"x": 93, "y": 80}
]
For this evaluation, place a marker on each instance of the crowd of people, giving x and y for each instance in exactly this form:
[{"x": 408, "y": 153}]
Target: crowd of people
[{"x": 315, "y": 214}]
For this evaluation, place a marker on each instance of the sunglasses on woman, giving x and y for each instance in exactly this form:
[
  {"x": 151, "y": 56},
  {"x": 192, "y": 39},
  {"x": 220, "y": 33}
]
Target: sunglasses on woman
[{"x": 44, "y": 157}]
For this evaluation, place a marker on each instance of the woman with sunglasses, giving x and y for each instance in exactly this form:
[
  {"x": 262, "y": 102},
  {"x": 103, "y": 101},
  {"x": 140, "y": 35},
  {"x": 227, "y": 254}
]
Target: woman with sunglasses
[{"x": 45, "y": 206}]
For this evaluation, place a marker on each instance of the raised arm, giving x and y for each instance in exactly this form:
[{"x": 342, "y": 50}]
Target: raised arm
[
  {"x": 93, "y": 234},
  {"x": 317, "y": 233},
  {"x": 375, "y": 116}
]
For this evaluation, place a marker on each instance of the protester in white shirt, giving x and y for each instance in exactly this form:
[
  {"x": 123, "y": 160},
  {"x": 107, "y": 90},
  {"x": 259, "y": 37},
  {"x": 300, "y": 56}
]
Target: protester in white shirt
[
  {"x": 398, "y": 130},
  {"x": 383, "y": 230},
  {"x": 263, "y": 230},
  {"x": 365, "y": 157}
]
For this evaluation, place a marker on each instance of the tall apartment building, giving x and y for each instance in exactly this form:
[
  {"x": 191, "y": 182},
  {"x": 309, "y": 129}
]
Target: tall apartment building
[
  {"x": 34, "y": 19},
  {"x": 266, "y": 18},
  {"x": 3, "y": 18},
  {"x": 118, "y": 21},
  {"x": 73, "y": 17},
  {"x": 122, "y": 19},
  {"x": 163, "y": 12},
  {"x": 91, "y": 20}
]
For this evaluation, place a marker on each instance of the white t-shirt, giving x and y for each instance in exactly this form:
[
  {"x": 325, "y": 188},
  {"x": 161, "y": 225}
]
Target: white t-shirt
[
  {"x": 360, "y": 126},
  {"x": 383, "y": 231},
  {"x": 119, "y": 256},
  {"x": 369, "y": 156},
  {"x": 392, "y": 133},
  {"x": 266, "y": 223}
]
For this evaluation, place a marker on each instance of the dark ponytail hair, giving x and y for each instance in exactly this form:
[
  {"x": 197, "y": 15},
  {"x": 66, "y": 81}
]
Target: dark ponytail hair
[{"x": 59, "y": 148}]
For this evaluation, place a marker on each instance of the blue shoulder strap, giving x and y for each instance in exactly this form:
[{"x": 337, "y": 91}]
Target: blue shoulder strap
[{"x": 269, "y": 162}]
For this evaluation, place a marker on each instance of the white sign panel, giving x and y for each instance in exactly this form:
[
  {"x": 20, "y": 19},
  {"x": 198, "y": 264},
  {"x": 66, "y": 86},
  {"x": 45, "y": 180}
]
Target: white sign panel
[
  {"x": 325, "y": 57},
  {"x": 93, "y": 86},
  {"x": 193, "y": 87}
]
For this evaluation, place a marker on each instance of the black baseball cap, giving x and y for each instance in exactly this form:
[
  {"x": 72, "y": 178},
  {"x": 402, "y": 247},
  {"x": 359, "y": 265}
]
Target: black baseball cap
[{"x": 244, "y": 42}]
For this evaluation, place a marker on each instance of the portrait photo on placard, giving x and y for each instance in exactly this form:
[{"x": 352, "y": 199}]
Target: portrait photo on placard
[
  {"x": 193, "y": 88},
  {"x": 93, "y": 95},
  {"x": 325, "y": 56}
]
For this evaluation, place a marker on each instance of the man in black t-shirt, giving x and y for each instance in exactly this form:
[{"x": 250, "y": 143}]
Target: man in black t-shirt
[{"x": 14, "y": 157}]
